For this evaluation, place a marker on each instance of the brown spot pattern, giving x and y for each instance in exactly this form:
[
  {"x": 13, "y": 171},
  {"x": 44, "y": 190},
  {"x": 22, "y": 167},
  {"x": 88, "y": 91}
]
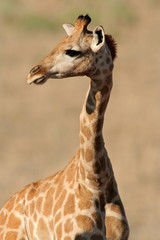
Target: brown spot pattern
[
  {"x": 84, "y": 120},
  {"x": 10, "y": 204},
  {"x": 81, "y": 139},
  {"x": 39, "y": 204},
  {"x": 59, "y": 187},
  {"x": 88, "y": 155},
  {"x": 82, "y": 171},
  {"x": 57, "y": 217},
  {"x": 115, "y": 208},
  {"x": 84, "y": 204},
  {"x": 31, "y": 194},
  {"x": 82, "y": 152},
  {"x": 98, "y": 95},
  {"x": 59, "y": 202},
  {"x": 118, "y": 206},
  {"x": 91, "y": 176},
  {"x": 86, "y": 132},
  {"x": 67, "y": 238},
  {"x": 85, "y": 222},
  {"x": 82, "y": 191},
  {"x": 13, "y": 221},
  {"x": 1, "y": 234},
  {"x": 18, "y": 208},
  {"x": 98, "y": 219},
  {"x": 69, "y": 206},
  {"x": 21, "y": 194},
  {"x": 94, "y": 182},
  {"x": 48, "y": 204},
  {"x": 32, "y": 207},
  {"x": 42, "y": 230},
  {"x": 57, "y": 177},
  {"x": 91, "y": 116},
  {"x": 35, "y": 217},
  {"x": 68, "y": 226},
  {"x": 36, "y": 184},
  {"x": 78, "y": 154},
  {"x": 59, "y": 231},
  {"x": 51, "y": 225},
  {"x": 11, "y": 235},
  {"x": 114, "y": 225},
  {"x": 70, "y": 172},
  {"x": 31, "y": 228},
  {"x": 3, "y": 218}
]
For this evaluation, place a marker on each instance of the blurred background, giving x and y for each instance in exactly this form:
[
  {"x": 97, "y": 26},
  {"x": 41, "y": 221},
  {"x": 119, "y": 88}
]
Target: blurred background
[{"x": 39, "y": 125}]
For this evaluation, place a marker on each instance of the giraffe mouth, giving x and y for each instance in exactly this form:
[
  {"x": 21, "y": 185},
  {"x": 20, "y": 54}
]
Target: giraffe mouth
[
  {"x": 40, "y": 80},
  {"x": 37, "y": 81}
]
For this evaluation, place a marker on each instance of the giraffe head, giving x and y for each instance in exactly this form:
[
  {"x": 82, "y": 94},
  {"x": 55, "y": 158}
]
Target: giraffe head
[{"x": 80, "y": 53}]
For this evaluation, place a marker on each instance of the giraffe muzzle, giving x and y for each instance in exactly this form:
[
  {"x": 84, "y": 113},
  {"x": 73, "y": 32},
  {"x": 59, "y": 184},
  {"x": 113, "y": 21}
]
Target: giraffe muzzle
[
  {"x": 40, "y": 80},
  {"x": 35, "y": 70},
  {"x": 36, "y": 79},
  {"x": 36, "y": 75}
]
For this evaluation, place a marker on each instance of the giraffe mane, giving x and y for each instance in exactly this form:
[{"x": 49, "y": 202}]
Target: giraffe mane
[{"x": 112, "y": 45}]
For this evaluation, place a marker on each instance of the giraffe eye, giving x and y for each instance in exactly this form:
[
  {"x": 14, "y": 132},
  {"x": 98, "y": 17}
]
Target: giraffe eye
[{"x": 73, "y": 53}]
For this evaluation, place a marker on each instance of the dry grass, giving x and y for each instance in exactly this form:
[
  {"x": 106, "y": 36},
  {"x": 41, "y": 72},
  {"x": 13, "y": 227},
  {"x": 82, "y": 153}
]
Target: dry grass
[{"x": 40, "y": 125}]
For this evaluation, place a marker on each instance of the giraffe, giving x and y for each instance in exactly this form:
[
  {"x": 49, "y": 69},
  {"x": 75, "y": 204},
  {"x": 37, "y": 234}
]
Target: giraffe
[{"x": 81, "y": 201}]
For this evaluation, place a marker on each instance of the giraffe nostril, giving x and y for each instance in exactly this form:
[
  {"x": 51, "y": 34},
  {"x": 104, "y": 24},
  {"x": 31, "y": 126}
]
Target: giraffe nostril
[{"x": 35, "y": 70}]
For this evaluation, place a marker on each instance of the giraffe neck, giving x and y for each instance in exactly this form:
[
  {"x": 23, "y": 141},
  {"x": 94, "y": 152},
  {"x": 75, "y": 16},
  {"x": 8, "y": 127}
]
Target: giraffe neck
[{"x": 94, "y": 165}]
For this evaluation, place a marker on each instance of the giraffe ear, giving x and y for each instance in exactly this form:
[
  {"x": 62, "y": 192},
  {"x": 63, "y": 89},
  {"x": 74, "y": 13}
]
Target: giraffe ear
[
  {"x": 68, "y": 27},
  {"x": 98, "y": 39}
]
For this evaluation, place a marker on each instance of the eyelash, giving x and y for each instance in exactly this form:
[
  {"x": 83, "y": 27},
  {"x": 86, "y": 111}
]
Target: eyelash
[{"x": 73, "y": 53}]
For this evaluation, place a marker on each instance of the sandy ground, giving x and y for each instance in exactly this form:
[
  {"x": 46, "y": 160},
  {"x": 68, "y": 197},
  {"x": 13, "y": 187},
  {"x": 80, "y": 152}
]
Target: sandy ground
[{"x": 39, "y": 126}]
